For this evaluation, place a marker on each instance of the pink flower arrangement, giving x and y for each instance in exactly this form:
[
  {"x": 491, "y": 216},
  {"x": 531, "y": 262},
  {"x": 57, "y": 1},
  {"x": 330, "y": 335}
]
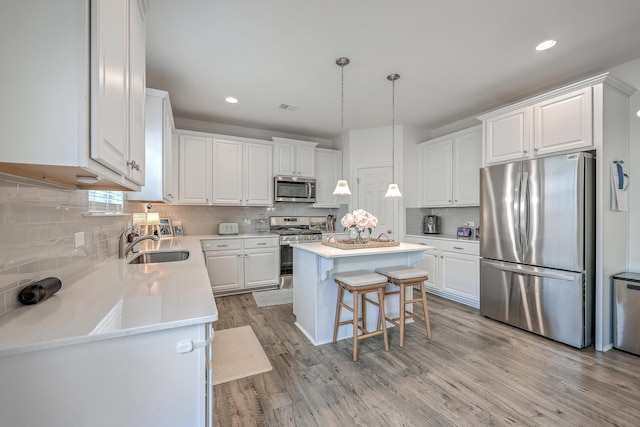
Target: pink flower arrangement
[{"x": 360, "y": 220}]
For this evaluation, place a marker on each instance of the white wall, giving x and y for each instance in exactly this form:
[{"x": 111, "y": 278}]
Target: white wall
[{"x": 630, "y": 73}]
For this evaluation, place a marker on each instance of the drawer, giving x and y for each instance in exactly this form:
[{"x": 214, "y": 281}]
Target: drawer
[
  {"x": 263, "y": 242},
  {"x": 460, "y": 246},
  {"x": 221, "y": 244}
]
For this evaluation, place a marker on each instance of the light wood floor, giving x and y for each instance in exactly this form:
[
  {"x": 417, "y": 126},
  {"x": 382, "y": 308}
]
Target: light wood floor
[{"x": 474, "y": 372}]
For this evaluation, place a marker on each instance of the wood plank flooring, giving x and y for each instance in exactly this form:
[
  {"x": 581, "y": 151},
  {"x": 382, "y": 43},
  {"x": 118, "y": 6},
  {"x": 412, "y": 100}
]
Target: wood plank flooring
[{"x": 474, "y": 372}]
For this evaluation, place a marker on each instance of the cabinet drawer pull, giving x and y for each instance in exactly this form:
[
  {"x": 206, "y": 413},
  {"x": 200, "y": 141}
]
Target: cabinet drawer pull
[
  {"x": 222, "y": 246},
  {"x": 262, "y": 244},
  {"x": 458, "y": 248}
]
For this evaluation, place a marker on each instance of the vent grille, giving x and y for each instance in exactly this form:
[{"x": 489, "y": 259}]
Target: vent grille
[{"x": 288, "y": 107}]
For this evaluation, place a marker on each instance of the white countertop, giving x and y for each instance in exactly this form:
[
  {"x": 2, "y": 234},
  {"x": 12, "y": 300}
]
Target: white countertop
[
  {"x": 443, "y": 237},
  {"x": 237, "y": 236},
  {"x": 331, "y": 252},
  {"x": 116, "y": 299}
]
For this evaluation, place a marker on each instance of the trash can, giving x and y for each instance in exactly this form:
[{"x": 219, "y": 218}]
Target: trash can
[{"x": 626, "y": 317}]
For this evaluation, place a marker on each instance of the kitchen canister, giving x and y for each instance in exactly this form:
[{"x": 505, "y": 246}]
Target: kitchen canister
[{"x": 39, "y": 291}]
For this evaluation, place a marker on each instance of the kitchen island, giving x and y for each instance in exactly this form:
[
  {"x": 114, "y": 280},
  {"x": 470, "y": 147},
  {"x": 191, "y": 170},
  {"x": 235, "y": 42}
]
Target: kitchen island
[
  {"x": 315, "y": 292},
  {"x": 124, "y": 345}
]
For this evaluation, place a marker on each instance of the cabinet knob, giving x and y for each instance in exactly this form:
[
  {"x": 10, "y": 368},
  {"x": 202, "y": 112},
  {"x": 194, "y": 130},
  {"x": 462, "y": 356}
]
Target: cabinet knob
[
  {"x": 456, "y": 200},
  {"x": 524, "y": 152},
  {"x": 449, "y": 201},
  {"x": 535, "y": 150}
]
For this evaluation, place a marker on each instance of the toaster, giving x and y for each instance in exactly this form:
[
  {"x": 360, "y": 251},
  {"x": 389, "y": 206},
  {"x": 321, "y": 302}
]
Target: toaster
[{"x": 228, "y": 228}]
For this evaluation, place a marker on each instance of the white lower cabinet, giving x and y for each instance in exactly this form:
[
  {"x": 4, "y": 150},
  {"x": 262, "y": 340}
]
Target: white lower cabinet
[
  {"x": 459, "y": 274},
  {"x": 453, "y": 268},
  {"x": 238, "y": 265},
  {"x": 120, "y": 381}
]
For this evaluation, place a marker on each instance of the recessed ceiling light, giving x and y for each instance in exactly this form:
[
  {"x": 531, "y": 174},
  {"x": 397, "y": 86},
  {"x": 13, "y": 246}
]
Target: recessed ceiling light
[
  {"x": 547, "y": 44},
  {"x": 231, "y": 100}
]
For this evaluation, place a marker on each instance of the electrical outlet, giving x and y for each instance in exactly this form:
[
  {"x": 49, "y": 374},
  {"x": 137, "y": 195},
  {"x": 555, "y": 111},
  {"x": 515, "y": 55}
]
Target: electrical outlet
[
  {"x": 79, "y": 239},
  {"x": 246, "y": 221},
  {"x": 471, "y": 224}
]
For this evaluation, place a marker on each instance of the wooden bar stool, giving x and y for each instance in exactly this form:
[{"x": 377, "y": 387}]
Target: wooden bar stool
[
  {"x": 403, "y": 277},
  {"x": 359, "y": 283}
]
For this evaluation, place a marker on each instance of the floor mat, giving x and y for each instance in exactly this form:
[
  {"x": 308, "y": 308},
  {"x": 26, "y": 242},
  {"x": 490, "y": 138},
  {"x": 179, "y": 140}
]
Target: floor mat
[
  {"x": 237, "y": 353},
  {"x": 276, "y": 297}
]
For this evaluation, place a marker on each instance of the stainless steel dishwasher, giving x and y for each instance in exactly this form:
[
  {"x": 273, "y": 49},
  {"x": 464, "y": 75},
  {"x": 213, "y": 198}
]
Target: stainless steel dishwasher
[{"x": 626, "y": 319}]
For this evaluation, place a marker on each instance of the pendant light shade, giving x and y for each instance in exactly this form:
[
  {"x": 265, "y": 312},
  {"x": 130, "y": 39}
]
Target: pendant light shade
[
  {"x": 393, "y": 190},
  {"x": 342, "y": 187}
]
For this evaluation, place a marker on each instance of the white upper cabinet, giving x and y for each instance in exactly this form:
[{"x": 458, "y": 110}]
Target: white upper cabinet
[
  {"x": 563, "y": 123},
  {"x": 214, "y": 170},
  {"x": 258, "y": 174},
  {"x": 160, "y": 153},
  {"x": 467, "y": 160},
  {"x": 328, "y": 167},
  {"x": 449, "y": 169},
  {"x": 437, "y": 173},
  {"x": 242, "y": 173},
  {"x": 86, "y": 119},
  {"x": 555, "y": 122},
  {"x": 195, "y": 170},
  {"x": 507, "y": 136},
  {"x": 293, "y": 158}
]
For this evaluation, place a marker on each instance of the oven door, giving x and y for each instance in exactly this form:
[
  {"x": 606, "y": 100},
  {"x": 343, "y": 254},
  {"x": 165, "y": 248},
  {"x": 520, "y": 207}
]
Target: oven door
[{"x": 286, "y": 259}]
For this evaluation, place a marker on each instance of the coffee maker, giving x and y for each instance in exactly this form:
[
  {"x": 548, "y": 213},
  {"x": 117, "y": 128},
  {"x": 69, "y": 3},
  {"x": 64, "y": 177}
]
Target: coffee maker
[{"x": 431, "y": 224}]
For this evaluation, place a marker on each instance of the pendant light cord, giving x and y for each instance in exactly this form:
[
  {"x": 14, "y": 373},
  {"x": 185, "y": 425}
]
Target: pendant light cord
[{"x": 342, "y": 117}]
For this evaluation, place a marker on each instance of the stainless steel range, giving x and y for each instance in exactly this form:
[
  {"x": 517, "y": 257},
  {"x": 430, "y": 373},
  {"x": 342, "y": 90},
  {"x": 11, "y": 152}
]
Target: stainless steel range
[{"x": 292, "y": 229}]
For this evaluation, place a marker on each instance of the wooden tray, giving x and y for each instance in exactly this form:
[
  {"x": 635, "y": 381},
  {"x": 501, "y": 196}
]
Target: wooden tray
[{"x": 369, "y": 243}]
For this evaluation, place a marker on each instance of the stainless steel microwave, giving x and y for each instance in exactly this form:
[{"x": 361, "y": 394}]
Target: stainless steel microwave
[{"x": 291, "y": 189}]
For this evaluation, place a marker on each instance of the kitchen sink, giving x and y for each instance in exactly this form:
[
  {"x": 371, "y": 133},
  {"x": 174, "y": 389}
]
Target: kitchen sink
[{"x": 154, "y": 257}]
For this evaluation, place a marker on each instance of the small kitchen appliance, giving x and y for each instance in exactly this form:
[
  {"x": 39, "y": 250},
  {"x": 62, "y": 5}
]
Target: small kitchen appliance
[
  {"x": 228, "y": 228},
  {"x": 431, "y": 224}
]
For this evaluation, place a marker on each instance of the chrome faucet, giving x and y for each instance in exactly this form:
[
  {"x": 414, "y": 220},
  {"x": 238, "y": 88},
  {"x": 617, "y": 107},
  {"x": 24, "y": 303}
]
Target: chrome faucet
[{"x": 124, "y": 248}]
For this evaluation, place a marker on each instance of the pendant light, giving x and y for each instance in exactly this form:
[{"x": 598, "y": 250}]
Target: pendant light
[
  {"x": 393, "y": 190},
  {"x": 342, "y": 187}
]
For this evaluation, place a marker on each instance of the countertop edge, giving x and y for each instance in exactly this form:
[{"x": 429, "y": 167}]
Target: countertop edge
[{"x": 193, "y": 273}]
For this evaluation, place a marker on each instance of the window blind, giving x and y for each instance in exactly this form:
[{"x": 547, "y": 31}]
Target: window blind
[{"x": 106, "y": 201}]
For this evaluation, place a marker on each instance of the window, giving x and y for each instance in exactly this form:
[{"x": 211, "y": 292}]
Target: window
[{"x": 106, "y": 201}]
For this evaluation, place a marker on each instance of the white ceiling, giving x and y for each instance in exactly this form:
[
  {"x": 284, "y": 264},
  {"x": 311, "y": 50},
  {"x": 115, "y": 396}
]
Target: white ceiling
[{"x": 456, "y": 58}]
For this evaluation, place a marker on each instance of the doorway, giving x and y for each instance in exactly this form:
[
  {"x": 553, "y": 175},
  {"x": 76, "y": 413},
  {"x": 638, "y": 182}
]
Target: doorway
[{"x": 372, "y": 186}]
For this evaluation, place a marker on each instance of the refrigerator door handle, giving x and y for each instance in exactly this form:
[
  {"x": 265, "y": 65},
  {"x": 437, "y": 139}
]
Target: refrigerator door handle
[
  {"x": 524, "y": 270},
  {"x": 517, "y": 212},
  {"x": 524, "y": 213}
]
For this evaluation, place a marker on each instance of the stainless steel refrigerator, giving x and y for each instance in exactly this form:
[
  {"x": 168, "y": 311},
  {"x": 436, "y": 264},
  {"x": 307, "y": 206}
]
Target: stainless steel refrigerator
[{"x": 537, "y": 246}]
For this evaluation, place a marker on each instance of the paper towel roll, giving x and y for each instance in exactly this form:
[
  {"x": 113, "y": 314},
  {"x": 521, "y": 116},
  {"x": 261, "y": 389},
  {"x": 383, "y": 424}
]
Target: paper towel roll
[{"x": 39, "y": 291}]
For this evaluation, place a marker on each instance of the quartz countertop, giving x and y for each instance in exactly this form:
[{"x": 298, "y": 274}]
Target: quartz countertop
[
  {"x": 331, "y": 252},
  {"x": 116, "y": 299},
  {"x": 443, "y": 237},
  {"x": 237, "y": 236}
]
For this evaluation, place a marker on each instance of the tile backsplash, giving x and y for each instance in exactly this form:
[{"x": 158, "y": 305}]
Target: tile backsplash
[
  {"x": 450, "y": 218},
  {"x": 205, "y": 219},
  {"x": 37, "y": 236}
]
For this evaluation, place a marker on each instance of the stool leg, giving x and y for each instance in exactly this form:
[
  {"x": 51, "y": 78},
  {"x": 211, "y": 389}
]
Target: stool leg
[
  {"x": 425, "y": 309},
  {"x": 338, "y": 307},
  {"x": 381, "y": 318},
  {"x": 355, "y": 326},
  {"x": 402, "y": 312},
  {"x": 363, "y": 307}
]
